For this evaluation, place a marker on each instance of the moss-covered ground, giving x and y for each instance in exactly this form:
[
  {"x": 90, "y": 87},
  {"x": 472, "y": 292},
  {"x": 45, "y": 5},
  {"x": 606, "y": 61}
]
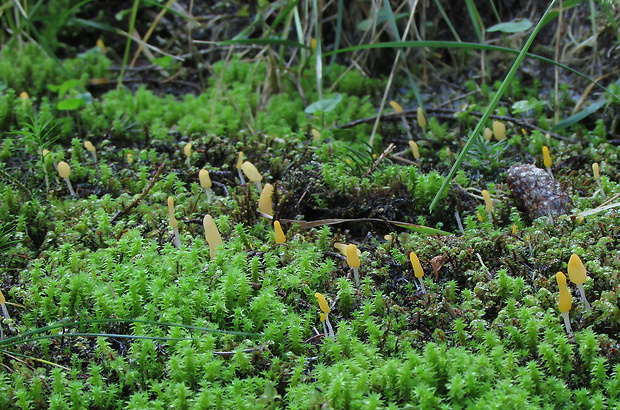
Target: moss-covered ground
[{"x": 106, "y": 311}]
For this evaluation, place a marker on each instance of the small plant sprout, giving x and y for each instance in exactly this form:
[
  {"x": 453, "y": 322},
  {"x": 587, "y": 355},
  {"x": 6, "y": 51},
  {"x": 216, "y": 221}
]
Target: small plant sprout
[
  {"x": 280, "y": 237},
  {"x": 325, "y": 309},
  {"x": 577, "y": 275},
  {"x": 547, "y": 159},
  {"x": 205, "y": 182},
  {"x": 564, "y": 302},
  {"x": 64, "y": 170},
  {"x": 353, "y": 260},
  {"x": 91, "y": 148},
  {"x": 239, "y": 165},
  {"x": 499, "y": 130},
  {"x": 5, "y": 312},
  {"x": 488, "y": 134},
  {"x": 597, "y": 176},
  {"x": 212, "y": 234},
  {"x": 253, "y": 175},
  {"x": 488, "y": 203},
  {"x": 174, "y": 223},
  {"x": 417, "y": 269},
  {"x": 414, "y": 149},
  {"x": 265, "y": 203}
]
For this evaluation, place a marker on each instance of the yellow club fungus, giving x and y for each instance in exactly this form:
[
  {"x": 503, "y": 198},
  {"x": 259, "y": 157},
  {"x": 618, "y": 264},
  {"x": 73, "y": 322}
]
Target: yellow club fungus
[
  {"x": 265, "y": 203},
  {"x": 205, "y": 183},
  {"x": 597, "y": 176},
  {"x": 564, "y": 302},
  {"x": 396, "y": 106},
  {"x": 280, "y": 237},
  {"x": 91, "y": 148},
  {"x": 212, "y": 234},
  {"x": 5, "y": 312},
  {"x": 316, "y": 135},
  {"x": 421, "y": 118},
  {"x": 239, "y": 165},
  {"x": 414, "y": 149},
  {"x": 499, "y": 130},
  {"x": 325, "y": 309},
  {"x": 488, "y": 134},
  {"x": 253, "y": 175},
  {"x": 174, "y": 224},
  {"x": 187, "y": 150},
  {"x": 547, "y": 159},
  {"x": 64, "y": 170},
  {"x": 353, "y": 261},
  {"x": 322, "y": 317},
  {"x": 417, "y": 269},
  {"x": 577, "y": 275},
  {"x": 488, "y": 203}
]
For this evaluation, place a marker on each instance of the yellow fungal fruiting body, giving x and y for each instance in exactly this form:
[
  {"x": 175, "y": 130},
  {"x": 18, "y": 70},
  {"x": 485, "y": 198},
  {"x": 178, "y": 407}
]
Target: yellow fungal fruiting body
[
  {"x": 187, "y": 149},
  {"x": 546, "y": 156},
  {"x": 421, "y": 118},
  {"x": 417, "y": 266},
  {"x": 173, "y": 221},
  {"x": 596, "y": 170},
  {"x": 280, "y": 237},
  {"x": 353, "y": 259},
  {"x": 488, "y": 202},
  {"x": 566, "y": 300},
  {"x": 205, "y": 179},
  {"x": 2, "y": 299},
  {"x": 265, "y": 203},
  {"x": 499, "y": 130},
  {"x": 64, "y": 170},
  {"x": 414, "y": 149},
  {"x": 322, "y": 302},
  {"x": 396, "y": 106},
  {"x": 251, "y": 172},
  {"x": 576, "y": 269},
  {"x": 212, "y": 234},
  {"x": 89, "y": 146},
  {"x": 488, "y": 134}
]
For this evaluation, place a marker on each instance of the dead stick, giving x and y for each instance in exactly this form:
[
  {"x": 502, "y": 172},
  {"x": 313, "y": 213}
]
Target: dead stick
[
  {"x": 374, "y": 166},
  {"x": 136, "y": 201}
]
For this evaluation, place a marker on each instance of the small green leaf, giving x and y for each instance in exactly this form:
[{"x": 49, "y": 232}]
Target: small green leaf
[
  {"x": 573, "y": 119},
  {"x": 524, "y": 105},
  {"x": 325, "y": 105},
  {"x": 511, "y": 26},
  {"x": 70, "y": 104}
]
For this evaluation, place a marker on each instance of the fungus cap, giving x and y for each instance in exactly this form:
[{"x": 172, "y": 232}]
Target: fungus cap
[
  {"x": 596, "y": 170},
  {"x": 353, "y": 259},
  {"x": 576, "y": 269},
  {"x": 280, "y": 237},
  {"x": 64, "y": 169},
  {"x": 414, "y": 149},
  {"x": 546, "y": 156},
  {"x": 417, "y": 266},
  {"x": 421, "y": 118},
  {"x": 265, "y": 204},
  {"x": 239, "y": 163},
  {"x": 396, "y": 106},
  {"x": 251, "y": 172},
  {"x": 2, "y": 299},
  {"x": 322, "y": 302},
  {"x": 187, "y": 149},
  {"x": 565, "y": 301},
  {"x": 212, "y": 234},
  {"x": 499, "y": 130},
  {"x": 488, "y": 202},
  {"x": 205, "y": 179},
  {"x": 89, "y": 146}
]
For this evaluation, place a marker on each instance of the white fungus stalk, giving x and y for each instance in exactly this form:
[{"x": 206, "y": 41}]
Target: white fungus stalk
[{"x": 174, "y": 223}]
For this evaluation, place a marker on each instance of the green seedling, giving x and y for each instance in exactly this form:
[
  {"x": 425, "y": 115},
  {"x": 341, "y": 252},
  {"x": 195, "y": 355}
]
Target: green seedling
[
  {"x": 417, "y": 269},
  {"x": 265, "y": 203},
  {"x": 174, "y": 223},
  {"x": 253, "y": 175},
  {"x": 5, "y": 312},
  {"x": 205, "y": 183},
  {"x": 564, "y": 302},
  {"x": 577, "y": 275},
  {"x": 91, "y": 148},
  {"x": 280, "y": 237},
  {"x": 64, "y": 170},
  {"x": 325, "y": 310},
  {"x": 212, "y": 234}
]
